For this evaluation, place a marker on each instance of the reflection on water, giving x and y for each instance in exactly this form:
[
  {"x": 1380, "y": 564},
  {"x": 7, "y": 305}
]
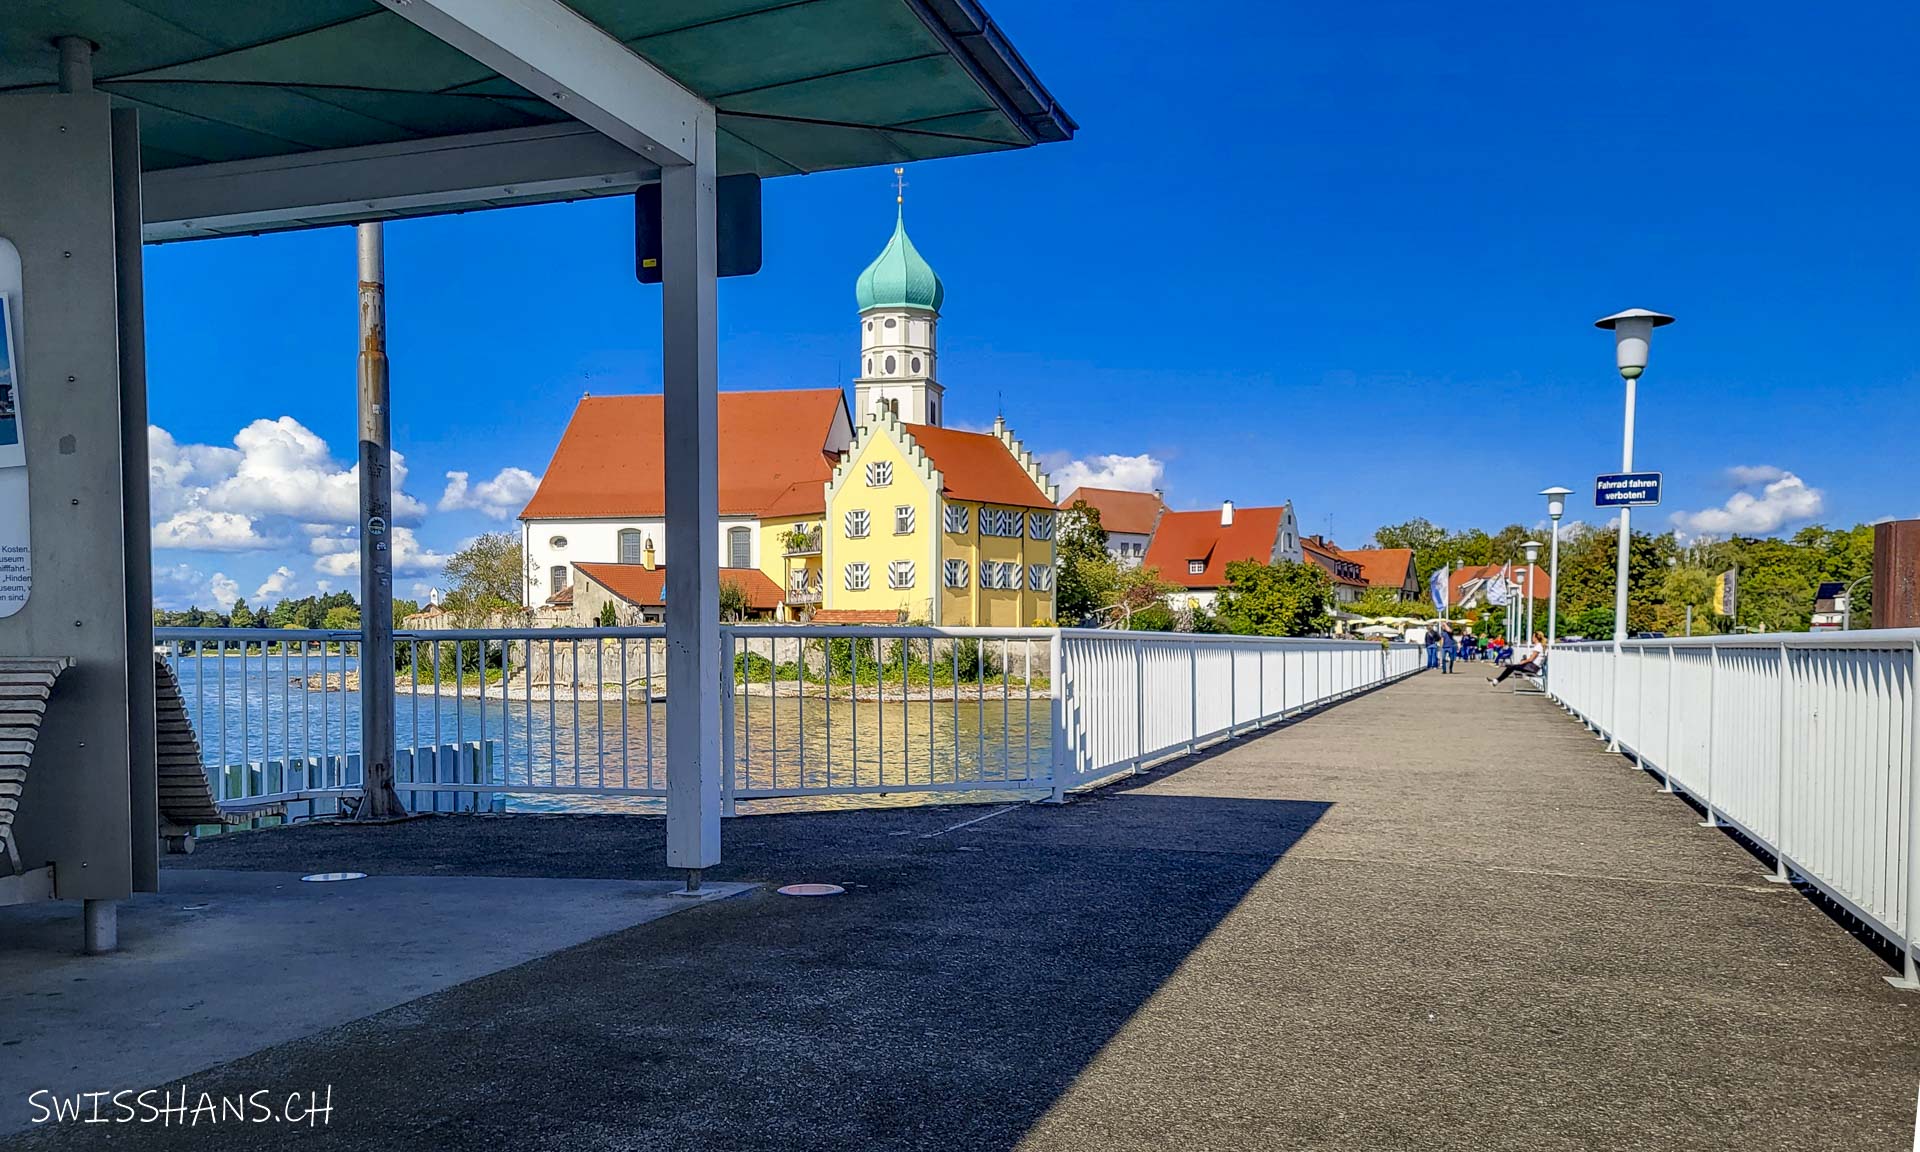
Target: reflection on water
[{"x": 255, "y": 709}]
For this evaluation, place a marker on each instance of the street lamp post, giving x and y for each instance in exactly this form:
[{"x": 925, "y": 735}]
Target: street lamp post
[
  {"x": 1533, "y": 553},
  {"x": 1556, "y": 508},
  {"x": 1632, "y": 331}
]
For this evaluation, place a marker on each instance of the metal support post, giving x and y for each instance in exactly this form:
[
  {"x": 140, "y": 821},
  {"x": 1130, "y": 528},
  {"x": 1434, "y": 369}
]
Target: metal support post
[
  {"x": 1620, "y": 568},
  {"x": 1057, "y": 709},
  {"x": 1781, "y": 874},
  {"x": 690, "y": 352},
  {"x": 378, "y": 800},
  {"x": 1713, "y": 679},
  {"x": 1909, "y": 978}
]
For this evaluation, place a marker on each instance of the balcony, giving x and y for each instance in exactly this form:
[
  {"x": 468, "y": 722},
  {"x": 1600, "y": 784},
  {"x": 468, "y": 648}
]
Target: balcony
[
  {"x": 805, "y": 588},
  {"x": 800, "y": 542}
]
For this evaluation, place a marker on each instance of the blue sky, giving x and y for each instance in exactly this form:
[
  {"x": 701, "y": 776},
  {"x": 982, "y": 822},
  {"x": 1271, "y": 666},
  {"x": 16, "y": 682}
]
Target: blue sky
[{"x": 1306, "y": 252}]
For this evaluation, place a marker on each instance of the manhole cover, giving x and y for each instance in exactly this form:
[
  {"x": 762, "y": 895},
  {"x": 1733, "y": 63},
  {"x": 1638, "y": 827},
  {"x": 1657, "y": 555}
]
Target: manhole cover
[
  {"x": 330, "y": 877},
  {"x": 812, "y": 890}
]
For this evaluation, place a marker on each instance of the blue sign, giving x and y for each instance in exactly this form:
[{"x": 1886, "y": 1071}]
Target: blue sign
[{"x": 1626, "y": 490}]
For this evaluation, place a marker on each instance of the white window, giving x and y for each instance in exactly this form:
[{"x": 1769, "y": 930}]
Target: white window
[
  {"x": 880, "y": 474},
  {"x": 740, "y": 547},
  {"x": 1040, "y": 525},
  {"x": 1196, "y": 567},
  {"x": 557, "y": 542},
  {"x": 558, "y": 577},
  {"x": 1040, "y": 577},
  {"x": 900, "y": 574},
  {"x": 903, "y": 519},
  {"x": 989, "y": 573},
  {"x": 858, "y": 521},
  {"x": 992, "y": 522},
  {"x": 630, "y": 546},
  {"x": 956, "y": 573},
  {"x": 956, "y": 517},
  {"x": 856, "y": 577},
  {"x": 1010, "y": 574}
]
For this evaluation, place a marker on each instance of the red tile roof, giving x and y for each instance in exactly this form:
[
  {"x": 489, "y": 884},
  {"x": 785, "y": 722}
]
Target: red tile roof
[
  {"x": 1186, "y": 536},
  {"x": 646, "y": 587},
  {"x": 772, "y": 455},
  {"x": 1134, "y": 513},
  {"x": 1333, "y": 560},
  {"x": 977, "y": 466},
  {"x": 859, "y": 616},
  {"x": 1384, "y": 567}
]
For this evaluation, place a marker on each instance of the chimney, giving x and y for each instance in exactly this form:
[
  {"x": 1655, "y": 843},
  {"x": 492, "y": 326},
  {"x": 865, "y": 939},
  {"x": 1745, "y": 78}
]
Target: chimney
[
  {"x": 646, "y": 555},
  {"x": 1226, "y": 514}
]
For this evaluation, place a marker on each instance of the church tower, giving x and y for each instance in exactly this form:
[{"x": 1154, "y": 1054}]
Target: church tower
[{"x": 899, "y": 298}]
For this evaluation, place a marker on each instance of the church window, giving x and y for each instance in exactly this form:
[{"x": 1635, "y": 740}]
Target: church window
[
  {"x": 890, "y": 365},
  {"x": 869, "y": 365},
  {"x": 903, "y": 520},
  {"x": 858, "y": 521},
  {"x": 558, "y": 577},
  {"x": 892, "y": 323},
  {"x": 869, "y": 325},
  {"x": 880, "y": 474},
  {"x": 956, "y": 573},
  {"x": 739, "y": 547},
  {"x": 557, "y": 542},
  {"x": 900, "y": 574},
  {"x": 956, "y": 517},
  {"x": 916, "y": 365},
  {"x": 933, "y": 412},
  {"x": 857, "y": 577},
  {"x": 893, "y": 407},
  {"x": 630, "y": 546}
]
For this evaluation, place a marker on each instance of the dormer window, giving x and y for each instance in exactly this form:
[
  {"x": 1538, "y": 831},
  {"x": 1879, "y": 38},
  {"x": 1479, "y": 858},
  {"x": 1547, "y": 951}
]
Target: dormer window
[{"x": 1196, "y": 567}]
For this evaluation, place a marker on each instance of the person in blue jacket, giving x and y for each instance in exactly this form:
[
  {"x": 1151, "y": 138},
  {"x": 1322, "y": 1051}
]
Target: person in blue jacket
[{"x": 1449, "y": 648}]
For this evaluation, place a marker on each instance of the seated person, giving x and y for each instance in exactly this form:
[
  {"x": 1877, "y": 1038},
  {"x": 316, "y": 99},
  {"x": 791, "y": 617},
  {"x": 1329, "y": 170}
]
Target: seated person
[{"x": 1528, "y": 660}]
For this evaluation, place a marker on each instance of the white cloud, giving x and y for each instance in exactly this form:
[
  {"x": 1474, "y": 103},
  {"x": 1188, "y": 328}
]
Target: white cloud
[
  {"x": 1750, "y": 475},
  {"x": 501, "y": 497},
  {"x": 1140, "y": 473},
  {"x": 278, "y": 584},
  {"x": 184, "y": 586},
  {"x": 204, "y": 530},
  {"x": 1781, "y": 498},
  {"x": 340, "y": 555}
]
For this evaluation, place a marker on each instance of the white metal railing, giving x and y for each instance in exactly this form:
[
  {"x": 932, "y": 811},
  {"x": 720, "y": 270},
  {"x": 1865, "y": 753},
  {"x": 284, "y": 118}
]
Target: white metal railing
[
  {"x": 1129, "y": 698},
  {"x": 1804, "y": 742},
  {"x": 536, "y": 716}
]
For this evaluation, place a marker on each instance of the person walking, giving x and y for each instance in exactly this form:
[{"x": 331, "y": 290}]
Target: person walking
[
  {"x": 1449, "y": 649},
  {"x": 1432, "y": 636},
  {"x": 1527, "y": 661}
]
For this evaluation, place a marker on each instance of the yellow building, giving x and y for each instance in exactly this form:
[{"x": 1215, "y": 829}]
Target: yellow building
[{"x": 938, "y": 525}]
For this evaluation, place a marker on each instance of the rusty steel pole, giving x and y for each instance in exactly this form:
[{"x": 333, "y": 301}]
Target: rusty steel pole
[{"x": 378, "y": 801}]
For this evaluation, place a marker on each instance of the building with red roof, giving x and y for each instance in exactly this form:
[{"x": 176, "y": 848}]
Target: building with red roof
[
  {"x": 1128, "y": 518},
  {"x": 1389, "y": 568},
  {"x": 1349, "y": 578},
  {"x": 1192, "y": 549}
]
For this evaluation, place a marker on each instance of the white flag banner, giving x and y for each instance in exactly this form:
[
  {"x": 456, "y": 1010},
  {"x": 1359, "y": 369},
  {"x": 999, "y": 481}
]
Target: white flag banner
[
  {"x": 1438, "y": 586},
  {"x": 1498, "y": 589}
]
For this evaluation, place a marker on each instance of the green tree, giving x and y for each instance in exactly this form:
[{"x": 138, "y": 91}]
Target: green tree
[
  {"x": 1283, "y": 599},
  {"x": 733, "y": 600},
  {"x": 403, "y": 609},
  {"x": 241, "y": 616},
  {"x": 1086, "y": 576},
  {"x": 609, "y": 616},
  {"x": 487, "y": 577},
  {"x": 341, "y": 619}
]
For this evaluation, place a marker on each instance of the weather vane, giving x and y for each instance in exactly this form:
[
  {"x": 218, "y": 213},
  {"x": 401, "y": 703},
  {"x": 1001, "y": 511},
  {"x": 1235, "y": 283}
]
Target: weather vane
[{"x": 900, "y": 186}]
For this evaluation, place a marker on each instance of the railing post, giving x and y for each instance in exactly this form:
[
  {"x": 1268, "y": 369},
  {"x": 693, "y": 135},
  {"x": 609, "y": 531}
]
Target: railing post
[
  {"x": 1909, "y": 978},
  {"x": 729, "y": 754},
  {"x": 1233, "y": 686},
  {"x": 1666, "y": 770},
  {"x": 1713, "y": 679},
  {"x": 1139, "y": 707},
  {"x": 1057, "y": 706},
  {"x": 1780, "y": 873},
  {"x": 1193, "y": 695}
]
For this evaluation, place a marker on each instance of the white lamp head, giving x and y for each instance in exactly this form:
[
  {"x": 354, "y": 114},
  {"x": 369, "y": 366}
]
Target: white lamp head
[
  {"x": 1632, "y": 330},
  {"x": 1556, "y": 501},
  {"x": 1532, "y": 549}
]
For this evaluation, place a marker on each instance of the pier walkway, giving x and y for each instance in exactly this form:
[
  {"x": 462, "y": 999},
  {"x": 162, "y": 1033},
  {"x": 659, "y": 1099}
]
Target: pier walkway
[{"x": 1435, "y": 916}]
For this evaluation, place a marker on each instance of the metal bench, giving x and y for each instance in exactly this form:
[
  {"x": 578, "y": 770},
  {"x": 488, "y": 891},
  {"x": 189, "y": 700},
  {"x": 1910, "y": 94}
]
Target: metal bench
[
  {"x": 25, "y": 684},
  {"x": 186, "y": 799}
]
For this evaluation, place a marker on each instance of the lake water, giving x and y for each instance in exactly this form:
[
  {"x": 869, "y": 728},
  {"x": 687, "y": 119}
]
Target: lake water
[{"x": 249, "y": 710}]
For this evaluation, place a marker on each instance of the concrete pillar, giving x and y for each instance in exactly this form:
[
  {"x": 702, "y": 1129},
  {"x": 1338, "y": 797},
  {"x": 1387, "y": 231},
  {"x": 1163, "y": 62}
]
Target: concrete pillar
[
  {"x": 690, "y": 350},
  {"x": 102, "y": 926}
]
